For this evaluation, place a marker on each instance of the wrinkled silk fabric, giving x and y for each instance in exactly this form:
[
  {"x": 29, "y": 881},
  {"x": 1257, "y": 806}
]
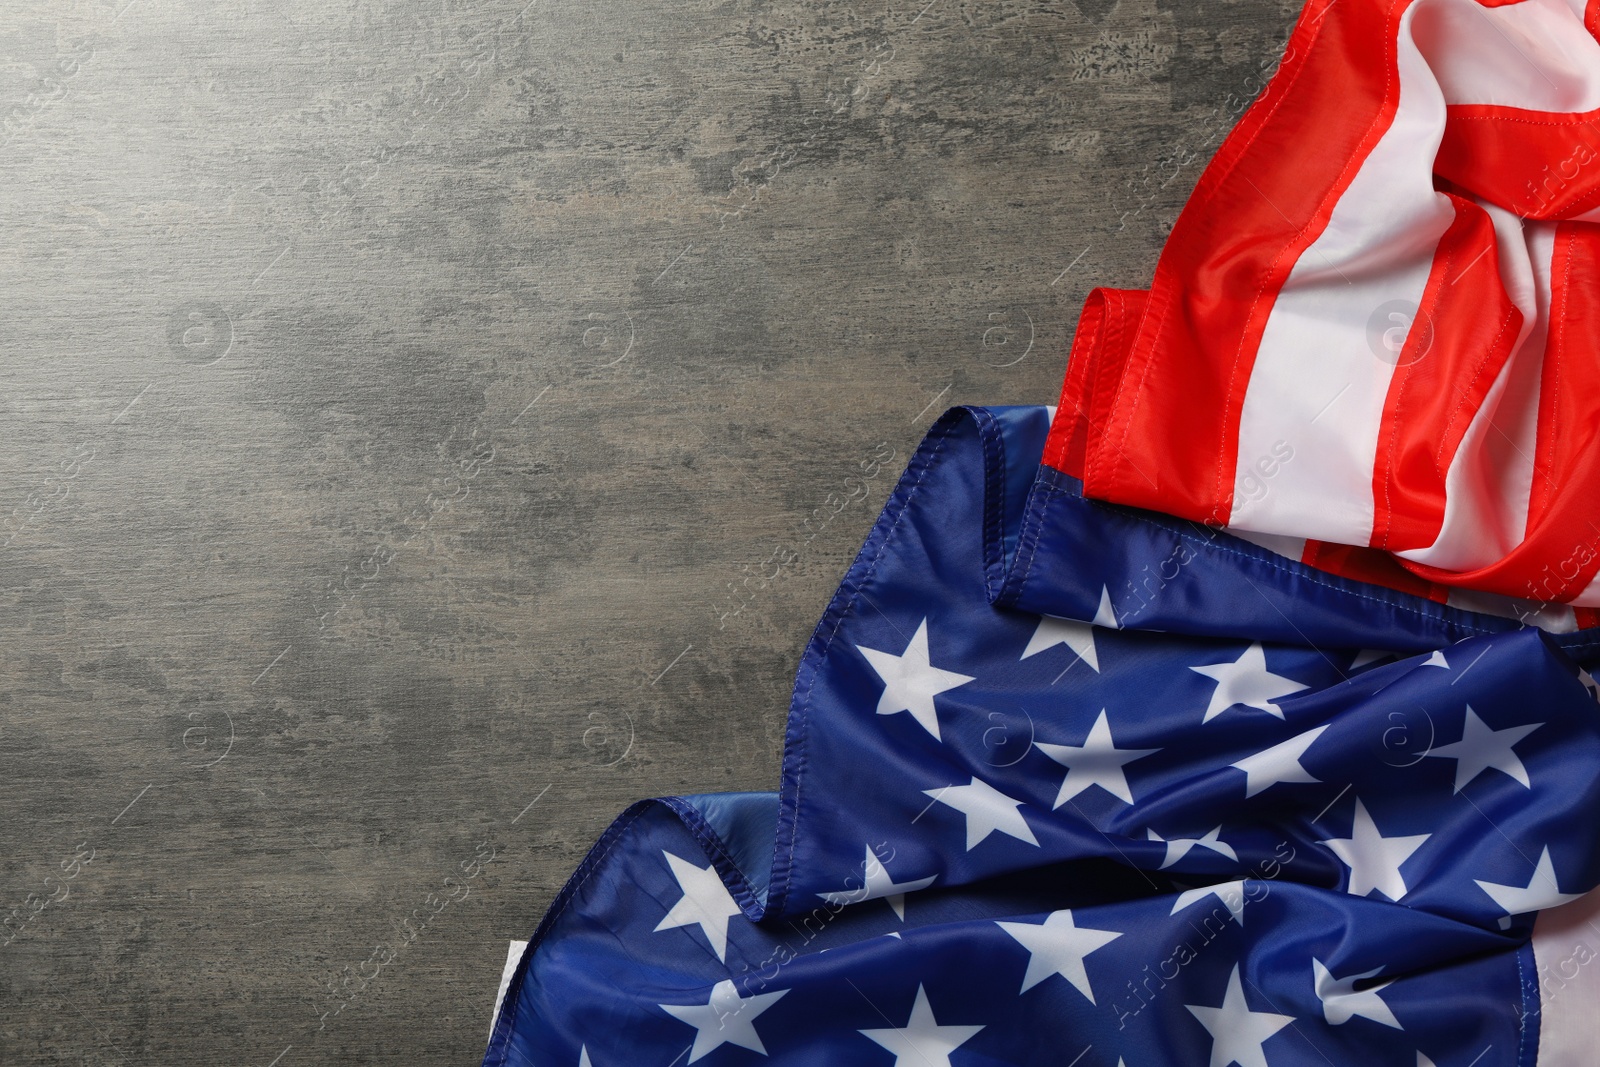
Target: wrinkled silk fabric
[
  {"x": 1199, "y": 720},
  {"x": 1374, "y": 331},
  {"x": 1242, "y": 808}
]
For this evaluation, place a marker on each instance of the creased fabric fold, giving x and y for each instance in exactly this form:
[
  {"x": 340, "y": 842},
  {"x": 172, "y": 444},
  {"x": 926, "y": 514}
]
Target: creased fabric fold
[
  {"x": 1257, "y": 811},
  {"x": 1373, "y": 325}
]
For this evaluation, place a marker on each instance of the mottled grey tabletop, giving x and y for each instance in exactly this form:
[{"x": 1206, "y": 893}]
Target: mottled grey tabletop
[{"x": 431, "y": 427}]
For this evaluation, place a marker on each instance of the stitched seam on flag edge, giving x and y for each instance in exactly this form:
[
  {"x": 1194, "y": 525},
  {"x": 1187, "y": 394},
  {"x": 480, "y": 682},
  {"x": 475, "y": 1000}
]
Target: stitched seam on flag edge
[
  {"x": 1522, "y": 992},
  {"x": 1530, "y": 1044},
  {"x": 817, "y": 650},
  {"x": 994, "y": 495},
  {"x": 1555, "y": 347},
  {"x": 1559, "y": 332},
  {"x": 499, "y": 1041},
  {"x": 1561, "y": 347},
  {"x": 1052, "y": 491},
  {"x": 1028, "y": 535},
  {"x": 1582, "y": 118},
  {"x": 1578, "y": 118},
  {"x": 1168, "y": 297},
  {"x": 1322, "y": 214},
  {"x": 845, "y": 608},
  {"x": 691, "y": 820},
  {"x": 717, "y": 852}
]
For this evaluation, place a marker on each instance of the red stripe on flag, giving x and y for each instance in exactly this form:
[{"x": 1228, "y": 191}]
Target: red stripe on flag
[
  {"x": 1260, "y": 203},
  {"x": 1463, "y": 334},
  {"x": 1542, "y": 490},
  {"x": 1369, "y": 565},
  {"x": 1561, "y": 554},
  {"x": 1540, "y": 164},
  {"x": 1569, "y": 415},
  {"x": 1099, "y": 347}
]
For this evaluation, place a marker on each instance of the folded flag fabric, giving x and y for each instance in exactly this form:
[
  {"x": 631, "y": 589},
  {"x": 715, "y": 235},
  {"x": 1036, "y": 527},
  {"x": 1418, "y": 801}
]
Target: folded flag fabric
[
  {"x": 1237, "y": 711},
  {"x": 1373, "y": 322},
  {"x": 1250, "y": 812}
]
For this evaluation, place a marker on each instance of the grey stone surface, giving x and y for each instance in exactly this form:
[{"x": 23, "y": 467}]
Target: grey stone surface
[{"x": 431, "y": 427}]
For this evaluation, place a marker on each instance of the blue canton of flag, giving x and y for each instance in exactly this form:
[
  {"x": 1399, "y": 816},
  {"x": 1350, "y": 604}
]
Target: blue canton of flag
[{"x": 1071, "y": 783}]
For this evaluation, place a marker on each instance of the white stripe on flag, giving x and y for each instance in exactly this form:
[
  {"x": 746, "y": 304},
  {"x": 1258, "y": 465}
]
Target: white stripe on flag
[
  {"x": 1487, "y": 486},
  {"x": 1566, "y": 956},
  {"x": 513, "y": 957},
  {"x": 1377, "y": 250},
  {"x": 1535, "y": 54}
]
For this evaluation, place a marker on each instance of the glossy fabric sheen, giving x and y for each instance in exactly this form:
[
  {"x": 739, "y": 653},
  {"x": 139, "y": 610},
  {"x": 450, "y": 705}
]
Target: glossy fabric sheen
[
  {"x": 1373, "y": 323},
  {"x": 818, "y": 956}
]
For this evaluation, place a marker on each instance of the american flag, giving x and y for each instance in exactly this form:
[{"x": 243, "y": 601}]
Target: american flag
[
  {"x": 1011, "y": 838},
  {"x": 1370, "y": 325},
  {"x": 1237, "y": 710}
]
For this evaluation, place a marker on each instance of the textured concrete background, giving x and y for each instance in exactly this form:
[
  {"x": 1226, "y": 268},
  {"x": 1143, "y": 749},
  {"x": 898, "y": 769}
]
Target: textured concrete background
[{"x": 430, "y": 427}]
